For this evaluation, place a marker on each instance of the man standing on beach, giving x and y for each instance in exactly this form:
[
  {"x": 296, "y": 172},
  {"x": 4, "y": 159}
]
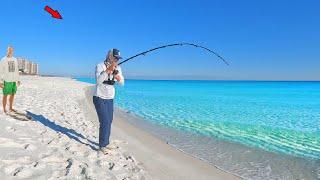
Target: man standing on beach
[
  {"x": 106, "y": 73},
  {"x": 9, "y": 78}
]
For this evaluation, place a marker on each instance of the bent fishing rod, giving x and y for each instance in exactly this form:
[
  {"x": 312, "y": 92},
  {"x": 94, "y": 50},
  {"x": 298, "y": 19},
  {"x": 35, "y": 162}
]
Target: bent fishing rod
[
  {"x": 177, "y": 44},
  {"x": 115, "y": 72}
]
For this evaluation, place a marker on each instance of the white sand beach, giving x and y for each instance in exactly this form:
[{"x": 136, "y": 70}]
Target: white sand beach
[{"x": 61, "y": 142}]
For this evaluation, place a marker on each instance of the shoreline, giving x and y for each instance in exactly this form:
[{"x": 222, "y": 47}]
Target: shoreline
[
  {"x": 282, "y": 166},
  {"x": 170, "y": 161}
]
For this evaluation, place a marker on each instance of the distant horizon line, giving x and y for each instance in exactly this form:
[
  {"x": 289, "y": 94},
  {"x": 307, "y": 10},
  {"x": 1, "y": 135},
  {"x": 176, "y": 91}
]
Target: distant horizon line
[
  {"x": 173, "y": 79},
  {"x": 252, "y": 80}
]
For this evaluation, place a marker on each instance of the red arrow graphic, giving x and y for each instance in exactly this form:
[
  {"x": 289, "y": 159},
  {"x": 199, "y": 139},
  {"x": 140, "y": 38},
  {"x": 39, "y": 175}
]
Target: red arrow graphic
[{"x": 54, "y": 13}]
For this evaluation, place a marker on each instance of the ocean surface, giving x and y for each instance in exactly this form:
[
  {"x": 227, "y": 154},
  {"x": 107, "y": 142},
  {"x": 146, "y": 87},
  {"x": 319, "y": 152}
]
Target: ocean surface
[{"x": 272, "y": 120}]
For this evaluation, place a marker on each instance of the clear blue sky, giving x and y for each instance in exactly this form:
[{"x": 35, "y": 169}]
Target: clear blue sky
[{"x": 267, "y": 39}]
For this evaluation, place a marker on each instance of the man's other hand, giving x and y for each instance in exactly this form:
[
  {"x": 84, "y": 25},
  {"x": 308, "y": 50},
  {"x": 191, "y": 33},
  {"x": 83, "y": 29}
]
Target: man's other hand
[
  {"x": 1, "y": 85},
  {"x": 117, "y": 77}
]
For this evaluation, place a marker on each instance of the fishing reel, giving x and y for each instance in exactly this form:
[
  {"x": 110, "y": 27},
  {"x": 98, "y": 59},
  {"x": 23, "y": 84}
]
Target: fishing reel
[{"x": 109, "y": 82}]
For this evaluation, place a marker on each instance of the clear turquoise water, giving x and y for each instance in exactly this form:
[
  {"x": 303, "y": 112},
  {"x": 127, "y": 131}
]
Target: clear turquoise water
[{"x": 282, "y": 117}]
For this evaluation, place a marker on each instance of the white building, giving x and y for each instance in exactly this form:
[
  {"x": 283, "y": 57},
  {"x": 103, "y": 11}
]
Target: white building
[
  {"x": 34, "y": 69},
  {"x": 28, "y": 67}
]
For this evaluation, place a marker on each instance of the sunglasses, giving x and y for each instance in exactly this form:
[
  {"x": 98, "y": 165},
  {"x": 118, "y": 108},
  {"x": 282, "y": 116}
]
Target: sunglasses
[{"x": 116, "y": 58}]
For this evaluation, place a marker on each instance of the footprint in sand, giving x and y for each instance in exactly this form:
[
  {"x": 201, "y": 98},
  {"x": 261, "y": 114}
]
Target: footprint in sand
[
  {"x": 10, "y": 129},
  {"x": 29, "y": 147},
  {"x": 22, "y": 172},
  {"x": 16, "y": 171},
  {"x": 68, "y": 167},
  {"x": 129, "y": 158},
  {"x": 84, "y": 170},
  {"x": 76, "y": 167},
  {"x": 35, "y": 164},
  {"x": 20, "y": 167}
]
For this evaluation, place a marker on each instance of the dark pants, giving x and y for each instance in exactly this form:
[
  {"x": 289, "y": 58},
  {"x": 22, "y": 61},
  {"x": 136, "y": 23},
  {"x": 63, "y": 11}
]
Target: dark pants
[{"x": 104, "y": 108}]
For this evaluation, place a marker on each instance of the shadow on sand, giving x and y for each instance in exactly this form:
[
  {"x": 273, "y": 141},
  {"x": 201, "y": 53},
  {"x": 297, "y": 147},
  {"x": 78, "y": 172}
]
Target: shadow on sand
[{"x": 72, "y": 134}]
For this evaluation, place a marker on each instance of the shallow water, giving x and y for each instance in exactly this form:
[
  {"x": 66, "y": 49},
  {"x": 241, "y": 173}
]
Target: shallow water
[{"x": 276, "y": 117}]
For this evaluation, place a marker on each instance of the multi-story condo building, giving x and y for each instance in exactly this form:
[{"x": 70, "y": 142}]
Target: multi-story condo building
[{"x": 28, "y": 67}]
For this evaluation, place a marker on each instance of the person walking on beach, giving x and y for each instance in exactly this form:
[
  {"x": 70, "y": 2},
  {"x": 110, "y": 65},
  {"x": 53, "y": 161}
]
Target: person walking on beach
[
  {"x": 9, "y": 78},
  {"x": 107, "y": 73}
]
